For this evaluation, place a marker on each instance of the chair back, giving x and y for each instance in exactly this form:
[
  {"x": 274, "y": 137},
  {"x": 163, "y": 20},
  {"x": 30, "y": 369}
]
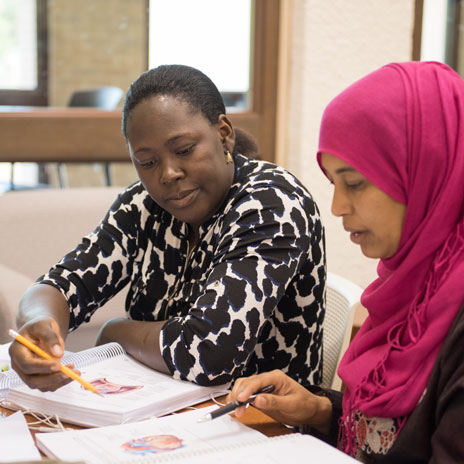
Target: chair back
[
  {"x": 106, "y": 98},
  {"x": 342, "y": 298}
]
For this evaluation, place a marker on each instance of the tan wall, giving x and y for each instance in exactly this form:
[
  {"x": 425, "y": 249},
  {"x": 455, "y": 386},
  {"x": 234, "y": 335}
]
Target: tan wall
[
  {"x": 330, "y": 44},
  {"x": 94, "y": 43}
]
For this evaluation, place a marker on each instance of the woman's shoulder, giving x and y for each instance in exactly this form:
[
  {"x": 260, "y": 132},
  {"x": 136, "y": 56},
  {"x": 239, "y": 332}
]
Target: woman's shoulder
[
  {"x": 134, "y": 196},
  {"x": 270, "y": 191},
  {"x": 134, "y": 207},
  {"x": 253, "y": 174}
]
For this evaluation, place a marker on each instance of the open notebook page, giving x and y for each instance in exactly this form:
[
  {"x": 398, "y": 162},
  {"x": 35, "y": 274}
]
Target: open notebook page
[
  {"x": 182, "y": 433},
  {"x": 131, "y": 391}
]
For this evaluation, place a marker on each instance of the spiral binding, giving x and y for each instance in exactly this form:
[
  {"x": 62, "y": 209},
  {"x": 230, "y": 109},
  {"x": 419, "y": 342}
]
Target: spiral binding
[{"x": 93, "y": 355}]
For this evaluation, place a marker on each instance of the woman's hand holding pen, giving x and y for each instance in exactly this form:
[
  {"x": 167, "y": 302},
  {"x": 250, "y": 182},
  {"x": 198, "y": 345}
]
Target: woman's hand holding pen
[{"x": 289, "y": 403}]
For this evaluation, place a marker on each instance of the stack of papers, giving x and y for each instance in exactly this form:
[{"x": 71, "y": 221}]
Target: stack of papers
[{"x": 17, "y": 442}]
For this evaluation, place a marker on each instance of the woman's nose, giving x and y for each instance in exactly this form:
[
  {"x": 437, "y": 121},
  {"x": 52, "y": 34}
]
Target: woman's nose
[
  {"x": 340, "y": 203},
  {"x": 171, "y": 172}
]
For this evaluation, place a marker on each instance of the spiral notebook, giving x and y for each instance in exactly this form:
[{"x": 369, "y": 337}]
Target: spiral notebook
[
  {"x": 180, "y": 438},
  {"x": 131, "y": 391}
]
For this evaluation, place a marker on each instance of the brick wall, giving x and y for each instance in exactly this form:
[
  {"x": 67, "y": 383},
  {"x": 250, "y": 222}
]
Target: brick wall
[{"x": 95, "y": 43}]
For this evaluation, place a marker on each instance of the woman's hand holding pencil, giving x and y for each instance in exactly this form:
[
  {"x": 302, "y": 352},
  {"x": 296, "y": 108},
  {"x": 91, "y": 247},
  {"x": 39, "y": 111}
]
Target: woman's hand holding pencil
[{"x": 69, "y": 373}]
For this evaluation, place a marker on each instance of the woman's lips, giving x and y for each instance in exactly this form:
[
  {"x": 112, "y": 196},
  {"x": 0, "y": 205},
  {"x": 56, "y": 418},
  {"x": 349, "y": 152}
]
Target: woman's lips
[
  {"x": 356, "y": 237},
  {"x": 183, "y": 198}
]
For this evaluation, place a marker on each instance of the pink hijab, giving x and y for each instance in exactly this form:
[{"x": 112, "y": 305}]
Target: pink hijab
[{"x": 402, "y": 127}]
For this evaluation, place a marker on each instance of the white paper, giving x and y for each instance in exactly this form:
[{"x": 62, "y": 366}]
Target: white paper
[
  {"x": 125, "y": 442},
  {"x": 16, "y": 443},
  {"x": 4, "y": 355},
  {"x": 294, "y": 448},
  {"x": 5, "y": 365}
]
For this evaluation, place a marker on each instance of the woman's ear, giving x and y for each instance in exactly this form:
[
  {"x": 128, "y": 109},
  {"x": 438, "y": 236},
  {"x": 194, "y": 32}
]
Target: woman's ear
[{"x": 226, "y": 132}]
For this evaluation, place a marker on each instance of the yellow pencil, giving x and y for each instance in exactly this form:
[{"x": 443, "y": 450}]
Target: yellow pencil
[{"x": 43, "y": 354}]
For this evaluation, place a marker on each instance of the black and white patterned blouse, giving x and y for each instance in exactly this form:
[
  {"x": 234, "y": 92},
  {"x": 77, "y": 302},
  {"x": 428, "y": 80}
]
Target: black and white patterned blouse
[{"x": 250, "y": 297}]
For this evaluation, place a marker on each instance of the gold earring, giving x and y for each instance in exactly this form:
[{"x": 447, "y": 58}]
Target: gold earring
[{"x": 229, "y": 158}]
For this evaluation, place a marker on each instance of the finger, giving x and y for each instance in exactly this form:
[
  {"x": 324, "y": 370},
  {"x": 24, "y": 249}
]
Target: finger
[
  {"x": 239, "y": 412},
  {"x": 262, "y": 401},
  {"x": 294, "y": 407},
  {"x": 46, "y": 334},
  {"x": 247, "y": 386},
  {"x": 71, "y": 366},
  {"x": 275, "y": 378},
  {"x": 24, "y": 360},
  {"x": 49, "y": 382},
  {"x": 276, "y": 407},
  {"x": 244, "y": 387},
  {"x": 31, "y": 367}
]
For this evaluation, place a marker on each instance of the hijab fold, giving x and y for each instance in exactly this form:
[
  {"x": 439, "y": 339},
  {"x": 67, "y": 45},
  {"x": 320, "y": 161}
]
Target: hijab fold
[{"x": 402, "y": 127}]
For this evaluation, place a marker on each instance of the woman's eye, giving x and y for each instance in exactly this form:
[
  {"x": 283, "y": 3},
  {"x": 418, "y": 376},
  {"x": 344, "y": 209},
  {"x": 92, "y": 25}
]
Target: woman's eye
[
  {"x": 354, "y": 185},
  {"x": 148, "y": 164},
  {"x": 186, "y": 150}
]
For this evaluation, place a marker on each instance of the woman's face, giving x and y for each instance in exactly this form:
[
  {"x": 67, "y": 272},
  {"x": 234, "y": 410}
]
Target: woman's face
[
  {"x": 179, "y": 157},
  {"x": 373, "y": 219}
]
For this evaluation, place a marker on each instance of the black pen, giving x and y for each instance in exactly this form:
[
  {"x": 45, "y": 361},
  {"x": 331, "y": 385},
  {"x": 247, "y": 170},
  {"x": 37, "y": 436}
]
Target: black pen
[{"x": 234, "y": 405}]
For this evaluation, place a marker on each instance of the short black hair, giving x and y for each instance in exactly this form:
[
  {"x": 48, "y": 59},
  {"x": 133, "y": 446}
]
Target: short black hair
[
  {"x": 191, "y": 86},
  {"x": 183, "y": 82}
]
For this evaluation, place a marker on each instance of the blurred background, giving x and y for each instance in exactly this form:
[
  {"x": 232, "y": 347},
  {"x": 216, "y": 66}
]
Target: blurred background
[{"x": 66, "y": 65}]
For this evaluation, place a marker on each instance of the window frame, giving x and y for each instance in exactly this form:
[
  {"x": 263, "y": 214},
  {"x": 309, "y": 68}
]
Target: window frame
[
  {"x": 417, "y": 30},
  {"x": 261, "y": 118},
  {"x": 453, "y": 33},
  {"x": 38, "y": 96}
]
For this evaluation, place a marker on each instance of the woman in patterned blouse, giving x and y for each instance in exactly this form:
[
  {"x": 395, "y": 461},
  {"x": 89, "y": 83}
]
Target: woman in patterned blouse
[
  {"x": 223, "y": 255},
  {"x": 392, "y": 144}
]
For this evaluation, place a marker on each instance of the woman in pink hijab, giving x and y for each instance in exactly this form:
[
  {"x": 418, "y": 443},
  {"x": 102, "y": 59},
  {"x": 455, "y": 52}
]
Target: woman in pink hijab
[{"x": 392, "y": 145}]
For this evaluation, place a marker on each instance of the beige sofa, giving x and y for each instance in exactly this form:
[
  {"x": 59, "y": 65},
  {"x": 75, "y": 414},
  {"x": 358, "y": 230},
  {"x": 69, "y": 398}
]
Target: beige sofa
[{"x": 37, "y": 227}]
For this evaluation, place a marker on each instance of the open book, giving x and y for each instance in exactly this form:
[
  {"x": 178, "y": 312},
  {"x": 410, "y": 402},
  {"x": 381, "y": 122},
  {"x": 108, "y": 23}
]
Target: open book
[
  {"x": 180, "y": 438},
  {"x": 131, "y": 391}
]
